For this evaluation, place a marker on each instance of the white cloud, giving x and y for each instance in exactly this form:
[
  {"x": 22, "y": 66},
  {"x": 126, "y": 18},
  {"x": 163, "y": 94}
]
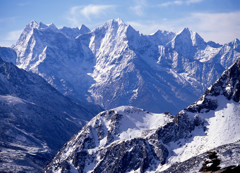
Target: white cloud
[
  {"x": 13, "y": 35},
  {"x": 10, "y": 38},
  {"x": 193, "y": 1},
  {"x": 220, "y": 27},
  {"x": 179, "y": 2},
  {"x": 138, "y": 9},
  {"x": 6, "y": 44},
  {"x": 166, "y": 4},
  {"x": 94, "y": 10},
  {"x": 79, "y": 13}
]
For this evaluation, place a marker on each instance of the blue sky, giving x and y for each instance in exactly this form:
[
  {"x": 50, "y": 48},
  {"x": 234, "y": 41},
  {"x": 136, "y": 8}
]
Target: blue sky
[{"x": 216, "y": 20}]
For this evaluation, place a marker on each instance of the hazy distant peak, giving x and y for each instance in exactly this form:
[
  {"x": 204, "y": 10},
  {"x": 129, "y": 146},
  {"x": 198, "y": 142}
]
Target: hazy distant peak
[
  {"x": 185, "y": 30},
  {"x": 84, "y": 29},
  {"x": 42, "y": 25},
  {"x": 52, "y": 26},
  {"x": 163, "y": 32},
  {"x": 213, "y": 44}
]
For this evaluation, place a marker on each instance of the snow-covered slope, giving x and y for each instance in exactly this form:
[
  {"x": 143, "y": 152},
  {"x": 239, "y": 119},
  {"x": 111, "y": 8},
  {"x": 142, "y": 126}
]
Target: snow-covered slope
[
  {"x": 128, "y": 139},
  {"x": 228, "y": 155},
  {"x": 117, "y": 136},
  {"x": 35, "y": 120},
  {"x": 218, "y": 116},
  {"x": 115, "y": 65}
]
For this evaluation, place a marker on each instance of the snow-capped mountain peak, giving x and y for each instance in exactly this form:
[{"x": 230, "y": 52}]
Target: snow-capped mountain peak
[
  {"x": 113, "y": 25},
  {"x": 185, "y": 30},
  {"x": 188, "y": 44},
  {"x": 183, "y": 42},
  {"x": 187, "y": 37},
  {"x": 117, "y": 21},
  {"x": 91, "y": 62},
  {"x": 184, "y": 33},
  {"x": 127, "y": 122},
  {"x": 235, "y": 44},
  {"x": 32, "y": 24}
]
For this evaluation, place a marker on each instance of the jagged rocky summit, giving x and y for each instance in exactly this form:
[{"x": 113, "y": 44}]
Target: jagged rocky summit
[
  {"x": 128, "y": 139},
  {"x": 115, "y": 65},
  {"x": 35, "y": 119}
]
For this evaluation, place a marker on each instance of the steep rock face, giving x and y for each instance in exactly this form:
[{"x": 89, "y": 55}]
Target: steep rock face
[
  {"x": 115, "y": 65},
  {"x": 124, "y": 72},
  {"x": 53, "y": 54},
  {"x": 32, "y": 118},
  {"x": 108, "y": 140},
  {"x": 191, "y": 58},
  {"x": 186, "y": 42}
]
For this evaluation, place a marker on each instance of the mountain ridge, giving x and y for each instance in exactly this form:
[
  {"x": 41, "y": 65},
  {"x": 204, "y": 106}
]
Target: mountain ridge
[{"x": 167, "y": 72}]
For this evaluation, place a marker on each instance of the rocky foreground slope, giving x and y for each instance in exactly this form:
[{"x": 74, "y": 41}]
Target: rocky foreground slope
[
  {"x": 35, "y": 120},
  {"x": 228, "y": 160}
]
